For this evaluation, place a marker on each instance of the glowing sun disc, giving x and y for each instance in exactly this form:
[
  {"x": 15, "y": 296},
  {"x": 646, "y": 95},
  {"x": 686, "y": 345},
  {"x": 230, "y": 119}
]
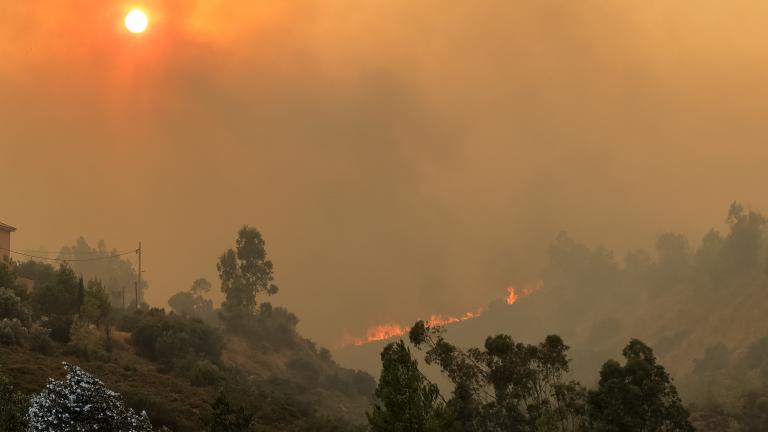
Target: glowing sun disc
[{"x": 136, "y": 21}]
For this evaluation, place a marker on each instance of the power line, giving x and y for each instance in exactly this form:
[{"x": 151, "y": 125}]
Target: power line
[
  {"x": 70, "y": 260},
  {"x": 80, "y": 253}
]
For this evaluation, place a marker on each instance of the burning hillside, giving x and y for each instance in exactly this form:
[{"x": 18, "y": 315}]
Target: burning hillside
[{"x": 388, "y": 331}]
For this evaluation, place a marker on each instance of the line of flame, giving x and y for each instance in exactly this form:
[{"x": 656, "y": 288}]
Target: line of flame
[{"x": 392, "y": 330}]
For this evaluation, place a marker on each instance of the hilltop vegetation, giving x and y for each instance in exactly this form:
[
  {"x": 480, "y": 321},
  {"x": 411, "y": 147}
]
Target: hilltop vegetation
[
  {"x": 244, "y": 367},
  {"x": 510, "y": 386},
  {"x": 192, "y": 369},
  {"x": 700, "y": 305}
]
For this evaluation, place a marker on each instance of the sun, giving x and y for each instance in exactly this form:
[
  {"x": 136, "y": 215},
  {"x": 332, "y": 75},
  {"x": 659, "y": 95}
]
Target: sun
[{"x": 136, "y": 21}]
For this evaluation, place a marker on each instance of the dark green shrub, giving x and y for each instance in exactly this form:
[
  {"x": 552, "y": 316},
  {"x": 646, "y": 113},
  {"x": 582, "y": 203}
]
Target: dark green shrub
[
  {"x": 205, "y": 373},
  {"x": 60, "y": 326},
  {"x": 161, "y": 411},
  {"x": 11, "y": 307},
  {"x": 86, "y": 343},
  {"x": 12, "y": 332},
  {"x": 175, "y": 341},
  {"x": 126, "y": 321},
  {"x": 40, "y": 341},
  {"x": 226, "y": 418},
  {"x": 39, "y": 273},
  {"x": 271, "y": 328}
]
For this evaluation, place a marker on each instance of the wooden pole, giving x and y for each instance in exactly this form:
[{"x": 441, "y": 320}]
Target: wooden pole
[{"x": 138, "y": 284}]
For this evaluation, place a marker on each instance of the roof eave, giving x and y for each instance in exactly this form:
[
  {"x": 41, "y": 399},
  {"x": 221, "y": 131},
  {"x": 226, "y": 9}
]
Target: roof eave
[{"x": 7, "y": 228}]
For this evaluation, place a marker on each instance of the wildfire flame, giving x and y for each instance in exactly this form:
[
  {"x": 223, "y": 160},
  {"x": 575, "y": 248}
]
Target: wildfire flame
[
  {"x": 513, "y": 295},
  {"x": 437, "y": 320},
  {"x": 384, "y": 332},
  {"x": 393, "y": 330}
]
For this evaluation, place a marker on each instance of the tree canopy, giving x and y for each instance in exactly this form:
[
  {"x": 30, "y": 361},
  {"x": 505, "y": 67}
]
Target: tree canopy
[
  {"x": 513, "y": 386},
  {"x": 245, "y": 272},
  {"x": 405, "y": 400},
  {"x": 636, "y": 397}
]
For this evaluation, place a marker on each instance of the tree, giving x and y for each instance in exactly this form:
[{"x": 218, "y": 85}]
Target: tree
[
  {"x": 192, "y": 303},
  {"x": 716, "y": 358},
  {"x": 58, "y": 302},
  {"x": 7, "y": 274},
  {"x": 201, "y": 286},
  {"x": 507, "y": 385},
  {"x": 40, "y": 273},
  {"x": 189, "y": 304},
  {"x": 11, "y": 307},
  {"x": 175, "y": 341},
  {"x": 245, "y": 272},
  {"x": 674, "y": 260},
  {"x": 405, "y": 400},
  {"x": 573, "y": 269},
  {"x": 80, "y": 294},
  {"x": 96, "y": 305},
  {"x": 61, "y": 297},
  {"x": 743, "y": 246},
  {"x": 82, "y": 403},
  {"x": 117, "y": 274},
  {"x": 636, "y": 397}
]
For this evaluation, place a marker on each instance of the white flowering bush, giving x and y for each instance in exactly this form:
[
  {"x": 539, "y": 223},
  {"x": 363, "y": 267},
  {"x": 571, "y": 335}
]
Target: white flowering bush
[{"x": 82, "y": 403}]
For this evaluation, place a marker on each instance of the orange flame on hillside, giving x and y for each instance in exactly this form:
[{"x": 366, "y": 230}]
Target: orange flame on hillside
[
  {"x": 392, "y": 330},
  {"x": 513, "y": 295}
]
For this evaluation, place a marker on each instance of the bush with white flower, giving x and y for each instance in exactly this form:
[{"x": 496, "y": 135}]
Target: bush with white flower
[{"x": 82, "y": 403}]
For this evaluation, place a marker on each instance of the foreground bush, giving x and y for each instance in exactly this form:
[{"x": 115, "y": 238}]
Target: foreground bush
[{"x": 82, "y": 403}]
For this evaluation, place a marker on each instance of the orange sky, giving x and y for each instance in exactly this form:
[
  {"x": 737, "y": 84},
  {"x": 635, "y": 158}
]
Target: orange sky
[{"x": 403, "y": 158}]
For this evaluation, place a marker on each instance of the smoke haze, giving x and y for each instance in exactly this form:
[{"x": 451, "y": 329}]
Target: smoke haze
[{"x": 401, "y": 158}]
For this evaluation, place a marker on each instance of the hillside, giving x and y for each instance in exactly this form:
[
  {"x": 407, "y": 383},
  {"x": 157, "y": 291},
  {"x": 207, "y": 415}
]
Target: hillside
[
  {"x": 682, "y": 299},
  {"x": 192, "y": 369},
  {"x": 172, "y": 401},
  {"x": 678, "y": 325}
]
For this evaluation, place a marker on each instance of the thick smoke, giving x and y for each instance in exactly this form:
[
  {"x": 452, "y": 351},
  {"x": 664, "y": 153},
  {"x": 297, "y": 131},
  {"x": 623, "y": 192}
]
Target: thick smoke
[{"x": 402, "y": 158}]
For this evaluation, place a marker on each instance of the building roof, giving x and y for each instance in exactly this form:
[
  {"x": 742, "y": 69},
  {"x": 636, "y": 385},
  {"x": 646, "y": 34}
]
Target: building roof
[{"x": 7, "y": 228}]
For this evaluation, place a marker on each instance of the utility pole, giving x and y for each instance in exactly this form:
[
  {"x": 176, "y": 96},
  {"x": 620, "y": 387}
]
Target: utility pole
[{"x": 138, "y": 284}]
